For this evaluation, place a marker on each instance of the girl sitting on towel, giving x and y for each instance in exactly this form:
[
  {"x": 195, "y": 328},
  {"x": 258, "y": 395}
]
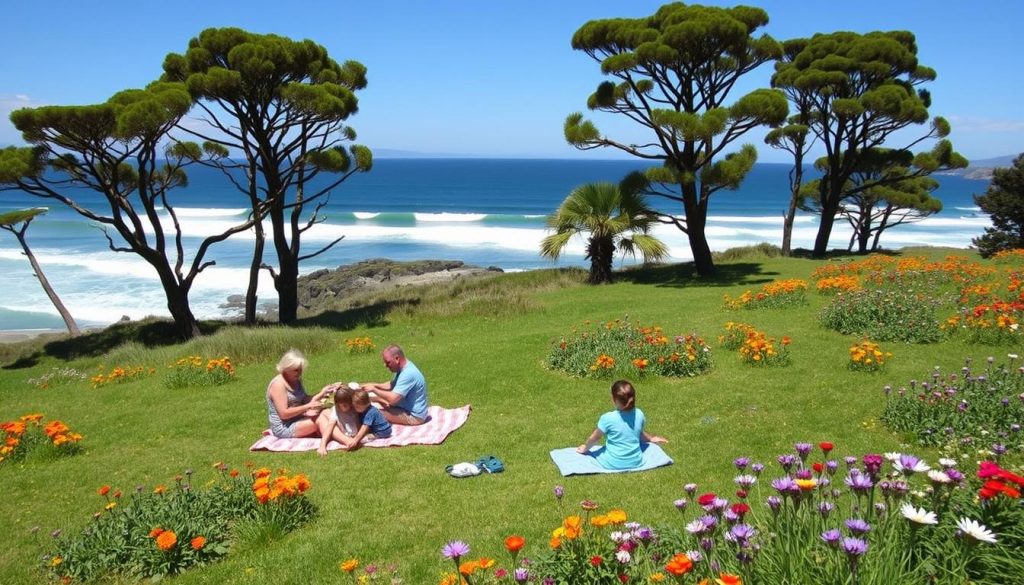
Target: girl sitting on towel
[
  {"x": 623, "y": 429},
  {"x": 355, "y": 419}
]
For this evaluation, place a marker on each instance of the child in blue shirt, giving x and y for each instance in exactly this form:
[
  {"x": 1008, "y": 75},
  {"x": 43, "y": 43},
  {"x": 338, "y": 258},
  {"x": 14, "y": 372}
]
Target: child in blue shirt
[
  {"x": 355, "y": 419},
  {"x": 623, "y": 429}
]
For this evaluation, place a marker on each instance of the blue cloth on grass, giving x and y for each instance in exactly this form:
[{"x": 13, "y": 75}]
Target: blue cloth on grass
[{"x": 569, "y": 462}]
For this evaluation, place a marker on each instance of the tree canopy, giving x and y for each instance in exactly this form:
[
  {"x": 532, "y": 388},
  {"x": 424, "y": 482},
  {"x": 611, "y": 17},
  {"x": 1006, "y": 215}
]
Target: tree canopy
[
  {"x": 282, "y": 104},
  {"x": 1003, "y": 201},
  {"x": 674, "y": 73}
]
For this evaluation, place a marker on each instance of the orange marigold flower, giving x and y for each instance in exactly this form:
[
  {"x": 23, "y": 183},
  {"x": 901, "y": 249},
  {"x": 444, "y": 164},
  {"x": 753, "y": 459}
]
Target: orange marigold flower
[
  {"x": 157, "y": 531},
  {"x": 166, "y": 540},
  {"x": 349, "y": 565},
  {"x": 728, "y": 579},
  {"x": 103, "y": 491},
  {"x": 679, "y": 565},
  {"x": 485, "y": 563},
  {"x": 514, "y": 543},
  {"x": 159, "y": 489},
  {"x": 616, "y": 516},
  {"x": 198, "y": 542},
  {"x": 573, "y": 526},
  {"x": 469, "y": 567}
]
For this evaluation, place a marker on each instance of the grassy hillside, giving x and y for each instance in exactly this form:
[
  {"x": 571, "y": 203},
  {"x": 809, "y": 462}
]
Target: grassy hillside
[{"x": 480, "y": 342}]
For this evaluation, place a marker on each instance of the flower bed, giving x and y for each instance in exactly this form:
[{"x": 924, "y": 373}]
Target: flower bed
[
  {"x": 774, "y": 295},
  {"x": 755, "y": 347},
  {"x": 885, "y": 315},
  {"x": 163, "y": 531},
  {"x": 867, "y": 356},
  {"x": 120, "y": 375},
  {"x": 29, "y": 435},
  {"x": 359, "y": 345},
  {"x": 623, "y": 349},
  {"x": 966, "y": 410}
]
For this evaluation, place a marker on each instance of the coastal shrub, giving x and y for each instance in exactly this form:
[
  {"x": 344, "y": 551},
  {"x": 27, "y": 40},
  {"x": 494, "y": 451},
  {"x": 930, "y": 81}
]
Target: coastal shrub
[
  {"x": 624, "y": 349},
  {"x": 885, "y": 315},
  {"x": 30, "y": 434},
  {"x": 774, "y": 295},
  {"x": 973, "y": 408},
  {"x": 57, "y": 377},
  {"x": 165, "y": 530},
  {"x": 753, "y": 252},
  {"x": 196, "y": 371}
]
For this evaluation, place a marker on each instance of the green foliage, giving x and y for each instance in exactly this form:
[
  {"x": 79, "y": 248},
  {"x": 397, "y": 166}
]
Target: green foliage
[
  {"x": 885, "y": 315},
  {"x": 613, "y": 217},
  {"x": 194, "y": 371},
  {"x": 1004, "y": 203},
  {"x": 150, "y": 534},
  {"x": 752, "y": 252},
  {"x": 976, "y": 408},
  {"x": 622, "y": 349},
  {"x": 57, "y": 377}
]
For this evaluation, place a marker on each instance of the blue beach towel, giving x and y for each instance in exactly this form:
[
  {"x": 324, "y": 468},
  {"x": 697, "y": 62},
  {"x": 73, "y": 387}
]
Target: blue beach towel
[{"x": 570, "y": 462}]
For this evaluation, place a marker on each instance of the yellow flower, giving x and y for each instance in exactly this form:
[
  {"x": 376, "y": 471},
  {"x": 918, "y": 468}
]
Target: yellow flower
[{"x": 56, "y": 561}]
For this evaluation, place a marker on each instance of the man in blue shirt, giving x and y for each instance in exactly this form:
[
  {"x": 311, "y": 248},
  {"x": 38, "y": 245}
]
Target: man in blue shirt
[{"x": 406, "y": 393}]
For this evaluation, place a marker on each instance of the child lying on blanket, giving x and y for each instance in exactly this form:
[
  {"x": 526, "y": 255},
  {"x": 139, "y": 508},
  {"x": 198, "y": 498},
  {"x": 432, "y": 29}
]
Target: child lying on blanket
[
  {"x": 355, "y": 419},
  {"x": 624, "y": 429}
]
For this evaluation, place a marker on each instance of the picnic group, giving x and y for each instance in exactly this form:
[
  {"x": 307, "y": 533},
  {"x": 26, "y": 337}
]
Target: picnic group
[{"x": 352, "y": 413}]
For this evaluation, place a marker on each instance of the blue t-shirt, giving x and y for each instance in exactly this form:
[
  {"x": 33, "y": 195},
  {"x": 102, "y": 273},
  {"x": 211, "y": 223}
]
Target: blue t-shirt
[
  {"x": 412, "y": 386},
  {"x": 379, "y": 425},
  {"x": 622, "y": 430}
]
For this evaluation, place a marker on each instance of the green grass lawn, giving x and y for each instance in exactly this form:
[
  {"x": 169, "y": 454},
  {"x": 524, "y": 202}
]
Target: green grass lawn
[{"x": 481, "y": 343}]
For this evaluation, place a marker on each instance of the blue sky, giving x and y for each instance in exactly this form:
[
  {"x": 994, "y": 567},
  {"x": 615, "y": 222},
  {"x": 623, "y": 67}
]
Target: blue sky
[{"x": 491, "y": 78}]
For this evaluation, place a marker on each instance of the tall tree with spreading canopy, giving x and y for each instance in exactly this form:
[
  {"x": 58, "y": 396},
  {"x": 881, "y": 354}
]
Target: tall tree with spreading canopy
[
  {"x": 282, "y": 105},
  {"x": 888, "y": 190},
  {"x": 1003, "y": 201},
  {"x": 863, "y": 88},
  {"x": 675, "y": 71},
  {"x": 120, "y": 150},
  {"x": 17, "y": 222},
  {"x": 614, "y": 217},
  {"x": 795, "y": 138}
]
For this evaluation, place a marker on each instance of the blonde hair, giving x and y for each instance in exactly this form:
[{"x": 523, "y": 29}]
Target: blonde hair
[
  {"x": 291, "y": 360},
  {"x": 361, "y": 399}
]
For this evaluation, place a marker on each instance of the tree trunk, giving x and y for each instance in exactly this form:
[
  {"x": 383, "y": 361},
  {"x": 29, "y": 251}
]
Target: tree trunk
[
  {"x": 68, "y": 319},
  {"x": 177, "y": 302},
  {"x": 828, "y": 218},
  {"x": 696, "y": 221},
  {"x": 601, "y": 252},
  {"x": 254, "y": 274},
  {"x": 787, "y": 227}
]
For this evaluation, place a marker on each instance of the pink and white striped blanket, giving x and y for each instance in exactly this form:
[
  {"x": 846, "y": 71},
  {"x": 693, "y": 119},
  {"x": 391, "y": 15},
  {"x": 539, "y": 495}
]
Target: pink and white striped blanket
[{"x": 443, "y": 422}]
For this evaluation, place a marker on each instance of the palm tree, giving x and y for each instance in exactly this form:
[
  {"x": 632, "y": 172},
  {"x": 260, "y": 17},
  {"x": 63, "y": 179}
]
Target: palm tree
[
  {"x": 24, "y": 217},
  {"x": 615, "y": 217}
]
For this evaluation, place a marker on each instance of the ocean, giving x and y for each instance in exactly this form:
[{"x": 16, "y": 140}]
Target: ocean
[{"x": 486, "y": 212}]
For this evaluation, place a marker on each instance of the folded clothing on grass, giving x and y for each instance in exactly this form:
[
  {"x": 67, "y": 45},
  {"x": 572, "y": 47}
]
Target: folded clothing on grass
[
  {"x": 441, "y": 422},
  {"x": 569, "y": 462}
]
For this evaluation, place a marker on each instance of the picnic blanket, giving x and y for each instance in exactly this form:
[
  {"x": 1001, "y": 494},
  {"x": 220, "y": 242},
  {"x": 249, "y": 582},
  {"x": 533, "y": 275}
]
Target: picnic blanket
[
  {"x": 570, "y": 462},
  {"x": 441, "y": 422}
]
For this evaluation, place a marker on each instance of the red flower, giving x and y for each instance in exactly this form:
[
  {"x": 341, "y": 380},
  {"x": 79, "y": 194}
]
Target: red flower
[
  {"x": 817, "y": 467},
  {"x": 826, "y": 447},
  {"x": 740, "y": 509},
  {"x": 103, "y": 491},
  {"x": 514, "y": 543},
  {"x": 623, "y": 578},
  {"x": 596, "y": 560},
  {"x": 741, "y": 494},
  {"x": 706, "y": 499}
]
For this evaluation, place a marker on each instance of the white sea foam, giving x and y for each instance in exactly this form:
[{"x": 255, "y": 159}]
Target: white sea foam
[
  {"x": 208, "y": 212},
  {"x": 456, "y": 217},
  {"x": 365, "y": 214}
]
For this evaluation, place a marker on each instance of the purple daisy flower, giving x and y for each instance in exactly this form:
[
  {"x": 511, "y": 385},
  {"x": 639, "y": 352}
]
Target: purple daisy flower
[
  {"x": 803, "y": 450},
  {"x": 521, "y": 575},
  {"x": 680, "y": 504},
  {"x": 690, "y": 488},
  {"x": 745, "y": 481},
  {"x": 825, "y": 508},
  {"x": 832, "y": 537},
  {"x": 740, "y": 534},
  {"x": 774, "y": 502},
  {"x": 854, "y": 547},
  {"x": 857, "y": 527},
  {"x": 455, "y": 550},
  {"x": 858, "y": 482},
  {"x": 787, "y": 461},
  {"x": 785, "y": 485},
  {"x": 757, "y": 468},
  {"x": 741, "y": 463}
]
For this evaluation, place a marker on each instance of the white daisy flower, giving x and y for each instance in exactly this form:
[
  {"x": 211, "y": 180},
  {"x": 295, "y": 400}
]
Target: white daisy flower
[
  {"x": 893, "y": 456},
  {"x": 918, "y": 515},
  {"x": 976, "y": 530},
  {"x": 938, "y": 476},
  {"x": 947, "y": 462},
  {"x": 623, "y": 556}
]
